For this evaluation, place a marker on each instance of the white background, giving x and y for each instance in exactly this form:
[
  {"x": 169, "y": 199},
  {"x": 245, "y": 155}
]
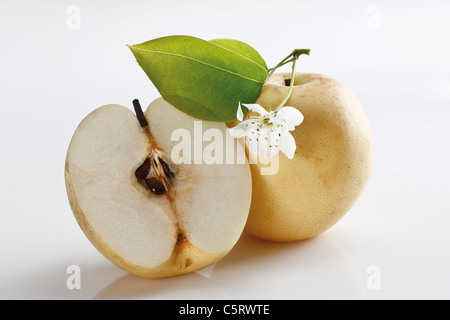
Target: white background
[{"x": 393, "y": 55}]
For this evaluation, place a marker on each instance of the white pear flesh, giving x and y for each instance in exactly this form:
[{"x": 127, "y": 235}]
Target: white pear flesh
[
  {"x": 135, "y": 228},
  {"x": 331, "y": 166}
]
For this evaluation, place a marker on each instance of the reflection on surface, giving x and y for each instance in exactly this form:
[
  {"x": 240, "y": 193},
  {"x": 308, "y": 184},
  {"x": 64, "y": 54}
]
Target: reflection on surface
[
  {"x": 318, "y": 268},
  {"x": 188, "y": 287}
]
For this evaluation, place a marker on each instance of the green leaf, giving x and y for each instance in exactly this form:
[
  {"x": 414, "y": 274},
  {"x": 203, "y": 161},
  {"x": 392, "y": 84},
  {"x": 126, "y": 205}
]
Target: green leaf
[
  {"x": 241, "y": 48},
  {"x": 205, "y": 79}
]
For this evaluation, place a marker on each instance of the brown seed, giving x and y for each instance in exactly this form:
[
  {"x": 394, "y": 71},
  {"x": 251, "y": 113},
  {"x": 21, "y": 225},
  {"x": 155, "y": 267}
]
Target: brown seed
[
  {"x": 143, "y": 170},
  {"x": 155, "y": 186},
  {"x": 169, "y": 174}
]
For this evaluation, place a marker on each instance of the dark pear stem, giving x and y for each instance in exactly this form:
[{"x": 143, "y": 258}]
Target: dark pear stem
[{"x": 139, "y": 113}]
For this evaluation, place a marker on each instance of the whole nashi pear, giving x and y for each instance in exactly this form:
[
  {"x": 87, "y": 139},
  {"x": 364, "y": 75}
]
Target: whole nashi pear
[{"x": 331, "y": 166}]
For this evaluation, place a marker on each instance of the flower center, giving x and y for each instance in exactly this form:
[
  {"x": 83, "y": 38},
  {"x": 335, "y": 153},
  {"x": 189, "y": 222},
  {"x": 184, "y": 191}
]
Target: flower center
[{"x": 263, "y": 120}]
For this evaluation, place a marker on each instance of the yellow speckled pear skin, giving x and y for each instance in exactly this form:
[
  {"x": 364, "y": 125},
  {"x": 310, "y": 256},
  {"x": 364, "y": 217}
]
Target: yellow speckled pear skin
[{"x": 331, "y": 166}]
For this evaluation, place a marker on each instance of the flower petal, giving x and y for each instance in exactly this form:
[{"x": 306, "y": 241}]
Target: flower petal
[
  {"x": 256, "y": 108},
  {"x": 287, "y": 145},
  {"x": 240, "y": 114},
  {"x": 264, "y": 141},
  {"x": 242, "y": 129},
  {"x": 288, "y": 116}
]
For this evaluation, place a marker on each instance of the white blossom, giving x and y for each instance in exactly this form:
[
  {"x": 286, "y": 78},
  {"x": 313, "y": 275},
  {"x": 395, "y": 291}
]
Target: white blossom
[{"x": 268, "y": 134}]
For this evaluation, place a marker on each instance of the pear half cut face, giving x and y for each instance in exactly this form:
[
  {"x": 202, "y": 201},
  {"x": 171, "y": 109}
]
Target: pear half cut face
[{"x": 151, "y": 217}]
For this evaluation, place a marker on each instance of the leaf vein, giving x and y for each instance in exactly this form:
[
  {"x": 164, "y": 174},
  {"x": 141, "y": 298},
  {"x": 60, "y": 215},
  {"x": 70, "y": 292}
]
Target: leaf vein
[
  {"x": 241, "y": 56},
  {"x": 201, "y": 62}
]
